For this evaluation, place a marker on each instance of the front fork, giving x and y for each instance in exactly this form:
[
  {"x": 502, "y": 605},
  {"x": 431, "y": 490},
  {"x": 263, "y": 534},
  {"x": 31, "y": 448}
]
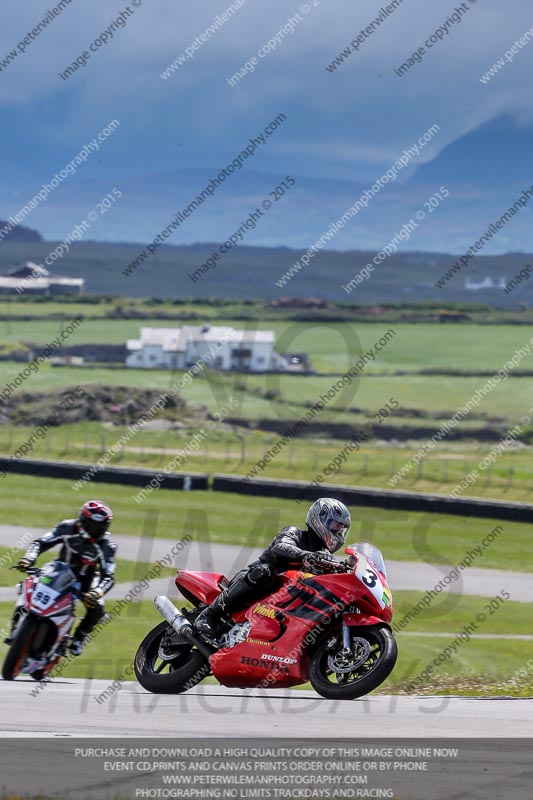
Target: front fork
[
  {"x": 346, "y": 638},
  {"x": 19, "y": 612}
]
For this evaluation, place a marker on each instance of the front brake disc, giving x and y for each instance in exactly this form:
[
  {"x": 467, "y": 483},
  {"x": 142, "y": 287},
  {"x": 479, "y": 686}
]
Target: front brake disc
[{"x": 344, "y": 661}]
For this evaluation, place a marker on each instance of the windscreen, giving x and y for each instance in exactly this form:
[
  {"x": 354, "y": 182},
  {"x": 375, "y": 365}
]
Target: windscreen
[
  {"x": 57, "y": 575},
  {"x": 371, "y": 553}
]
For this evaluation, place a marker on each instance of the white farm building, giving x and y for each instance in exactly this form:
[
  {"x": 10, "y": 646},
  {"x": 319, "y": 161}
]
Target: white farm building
[
  {"x": 221, "y": 347},
  {"x": 36, "y": 279}
]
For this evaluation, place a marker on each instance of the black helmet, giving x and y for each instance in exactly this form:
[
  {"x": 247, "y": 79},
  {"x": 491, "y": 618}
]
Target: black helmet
[
  {"x": 95, "y": 518},
  {"x": 330, "y": 520}
]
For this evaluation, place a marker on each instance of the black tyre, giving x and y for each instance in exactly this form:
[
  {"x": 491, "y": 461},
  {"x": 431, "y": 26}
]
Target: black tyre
[
  {"x": 20, "y": 649},
  {"x": 338, "y": 675},
  {"x": 40, "y": 674},
  {"x": 171, "y": 675}
]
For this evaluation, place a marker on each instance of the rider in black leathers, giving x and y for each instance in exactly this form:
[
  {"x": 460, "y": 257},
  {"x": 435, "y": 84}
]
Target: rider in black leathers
[
  {"x": 328, "y": 522},
  {"x": 90, "y": 552}
]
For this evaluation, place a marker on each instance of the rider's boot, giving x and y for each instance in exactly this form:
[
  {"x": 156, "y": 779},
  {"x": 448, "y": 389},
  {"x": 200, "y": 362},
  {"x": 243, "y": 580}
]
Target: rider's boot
[
  {"x": 228, "y": 601},
  {"x": 77, "y": 643},
  {"x": 85, "y": 627}
]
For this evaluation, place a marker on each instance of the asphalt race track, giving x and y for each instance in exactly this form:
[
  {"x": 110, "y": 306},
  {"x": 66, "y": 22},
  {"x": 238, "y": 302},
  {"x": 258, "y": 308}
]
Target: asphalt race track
[{"x": 68, "y": 707}]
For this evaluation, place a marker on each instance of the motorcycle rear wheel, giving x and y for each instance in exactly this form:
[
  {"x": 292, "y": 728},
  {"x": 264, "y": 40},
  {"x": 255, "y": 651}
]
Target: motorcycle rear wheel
[
  {"x": 19, "y": 649},
  {"x": 339, "y": 676},
  {"x": 186, "y": 670}
]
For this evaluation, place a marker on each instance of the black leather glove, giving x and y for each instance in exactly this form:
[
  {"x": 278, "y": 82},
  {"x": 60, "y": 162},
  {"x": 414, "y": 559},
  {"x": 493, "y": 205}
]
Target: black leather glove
[
  {"x": 321, "y": 563},
  {"x": 337, "y": 566},
  {"x": 90, "y": 599},
  {"x": 25, "y": 563}
]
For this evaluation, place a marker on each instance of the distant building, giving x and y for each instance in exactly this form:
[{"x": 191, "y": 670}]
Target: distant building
[
  {"x": 37, "y": 280},
  {"x": 486, "y": 283},
  {"x": 179, "y": 348}
]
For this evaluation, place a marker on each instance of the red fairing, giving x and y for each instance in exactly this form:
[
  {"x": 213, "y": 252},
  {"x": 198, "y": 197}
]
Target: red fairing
[
  {"x": 203, "y": 585},
  {"x": 286, "y": 624},
  {"x": 358, "y": 620},
  {"x": 260, "y": 662},
  {"x": 343, "y": 587},
  {"x": 266, "y": 629},
  {"x": 28, "y": 589}
]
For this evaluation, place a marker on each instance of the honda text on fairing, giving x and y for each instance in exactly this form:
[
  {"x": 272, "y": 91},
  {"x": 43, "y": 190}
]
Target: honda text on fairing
[
  {"x": 42, "y": 621},
  {"x": 330, "y": 629}
]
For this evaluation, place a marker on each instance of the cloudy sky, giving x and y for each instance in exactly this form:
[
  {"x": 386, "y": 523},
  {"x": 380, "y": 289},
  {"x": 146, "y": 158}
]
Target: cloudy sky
[{"x": 346, "y": 125}]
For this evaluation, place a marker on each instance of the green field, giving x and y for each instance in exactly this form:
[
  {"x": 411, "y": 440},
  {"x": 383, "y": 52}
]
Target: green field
[
  {"x": 422, "y": 393},
  {"x": 477, "y": 665},
  {"x": 332, "y": 346},
  {"x": 237, "y": 450},
  {"x": 253, "y": 521},
  {"x": 424, "y": 403}
]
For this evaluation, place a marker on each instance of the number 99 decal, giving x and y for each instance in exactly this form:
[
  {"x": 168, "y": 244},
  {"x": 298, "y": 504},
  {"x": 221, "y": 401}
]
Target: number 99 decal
[{"x": 42, "y": 599}]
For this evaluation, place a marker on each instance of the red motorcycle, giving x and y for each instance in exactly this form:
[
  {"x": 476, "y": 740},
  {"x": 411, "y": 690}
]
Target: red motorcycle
[{"x": 332, "y": 630}]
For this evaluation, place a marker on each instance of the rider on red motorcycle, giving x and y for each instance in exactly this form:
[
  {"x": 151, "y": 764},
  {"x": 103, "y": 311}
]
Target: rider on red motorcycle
[
  {"x": 328, "y": 522},
  {"x": 88, "y": 549}
]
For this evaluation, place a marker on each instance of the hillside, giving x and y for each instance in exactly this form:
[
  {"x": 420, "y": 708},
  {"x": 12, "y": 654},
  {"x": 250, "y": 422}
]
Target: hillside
[
  {"x": 484, "y": 170},
  {"x": 18, "y": 233},
  {"x": 252, "y": 272}
]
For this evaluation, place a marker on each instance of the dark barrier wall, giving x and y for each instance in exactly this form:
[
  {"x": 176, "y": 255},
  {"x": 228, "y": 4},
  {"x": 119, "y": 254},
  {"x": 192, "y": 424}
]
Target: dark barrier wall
[
  {"x": 130, "y": 476},
  {"x": 267, "y": 487},
  {"x": 377, "y": 498}
]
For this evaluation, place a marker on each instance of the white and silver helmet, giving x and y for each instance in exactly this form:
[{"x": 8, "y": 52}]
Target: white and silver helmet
[{"x": 330, "y": 520}]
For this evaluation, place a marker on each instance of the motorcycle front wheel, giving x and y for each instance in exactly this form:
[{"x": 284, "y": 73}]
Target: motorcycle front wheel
[
  {"x": 164, "y": 666},
  {"x": 338, "y": 674},
  {"x": 19, "y": 649}
]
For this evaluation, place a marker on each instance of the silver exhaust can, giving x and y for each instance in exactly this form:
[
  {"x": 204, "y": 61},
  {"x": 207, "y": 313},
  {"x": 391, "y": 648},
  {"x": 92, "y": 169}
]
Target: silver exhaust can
[{"x": 168, "y": 611}]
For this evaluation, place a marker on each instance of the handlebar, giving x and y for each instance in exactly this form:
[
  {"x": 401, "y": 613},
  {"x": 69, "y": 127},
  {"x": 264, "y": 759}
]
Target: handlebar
[
  {"x": 28, "y": 570},
  {"x": 37, "y": 571}
]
